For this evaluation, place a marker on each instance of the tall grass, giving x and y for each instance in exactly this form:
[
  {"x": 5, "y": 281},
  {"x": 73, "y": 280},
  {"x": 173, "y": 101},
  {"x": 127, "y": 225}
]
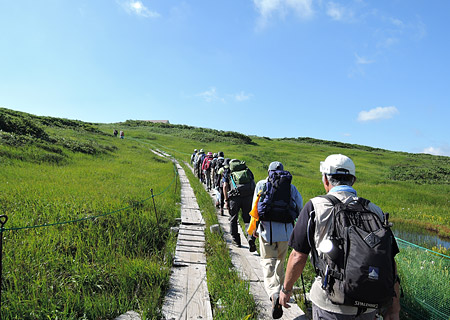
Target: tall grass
[
  {"x": 55, "y": 170},
  {"x": 97, "y": 268}
]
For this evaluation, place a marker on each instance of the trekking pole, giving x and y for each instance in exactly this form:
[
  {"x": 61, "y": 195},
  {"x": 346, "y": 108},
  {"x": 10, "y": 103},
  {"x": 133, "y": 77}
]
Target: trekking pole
[
  {"x": 304, "y": 292},
  {"x": 3, "y": 219}
]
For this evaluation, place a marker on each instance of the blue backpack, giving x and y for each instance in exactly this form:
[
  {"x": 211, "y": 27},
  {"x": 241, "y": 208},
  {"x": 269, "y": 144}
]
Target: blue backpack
[{"x": 275, "y": 201}]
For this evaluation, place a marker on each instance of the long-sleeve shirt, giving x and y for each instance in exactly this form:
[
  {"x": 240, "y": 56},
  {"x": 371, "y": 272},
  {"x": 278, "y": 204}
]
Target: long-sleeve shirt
[{"x": 280, "y": 231}]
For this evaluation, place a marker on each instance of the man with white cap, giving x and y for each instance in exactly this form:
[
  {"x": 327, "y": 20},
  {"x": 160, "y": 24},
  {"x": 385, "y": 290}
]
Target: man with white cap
[
  {"x": 275, "y": 227},
  {"x": 313, "y": 228}
]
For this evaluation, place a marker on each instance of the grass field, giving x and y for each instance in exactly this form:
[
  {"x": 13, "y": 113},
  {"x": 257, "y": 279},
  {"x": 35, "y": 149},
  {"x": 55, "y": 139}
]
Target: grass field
[{"x": 108, "y": 260}]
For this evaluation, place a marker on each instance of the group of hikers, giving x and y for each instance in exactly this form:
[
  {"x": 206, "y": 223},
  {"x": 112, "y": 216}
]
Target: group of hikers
[
  {"x": 348, "y": 238},
  {"x": 121, "y": 134}
]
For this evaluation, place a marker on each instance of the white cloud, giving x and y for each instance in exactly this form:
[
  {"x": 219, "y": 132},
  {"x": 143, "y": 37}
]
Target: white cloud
[
  {"x": 437, "y": 151},
  {"x": 338, "y": 12},
  {"x": 266, "y": 8},
  {"x": 138, "y": 8},
  {"x": 210, "y": 95},
  {"x": 397, "y": 22},
  {"x": 377, "y": 114},
  {"x": 242, "y": 96},
  {"x": 362, "y": 60},
  {"x": 334, "y": 11}
]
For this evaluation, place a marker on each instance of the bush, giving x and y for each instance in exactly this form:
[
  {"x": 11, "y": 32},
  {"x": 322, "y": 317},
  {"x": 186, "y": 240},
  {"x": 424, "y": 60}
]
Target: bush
[
  {"x": 22, "y": 126},
  {"x": 198, "y": 134},
  {"x": 429, "y": 173}
]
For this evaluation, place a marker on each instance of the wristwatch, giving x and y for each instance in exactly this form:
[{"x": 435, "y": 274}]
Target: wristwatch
[{"x": 283, "y": 289}]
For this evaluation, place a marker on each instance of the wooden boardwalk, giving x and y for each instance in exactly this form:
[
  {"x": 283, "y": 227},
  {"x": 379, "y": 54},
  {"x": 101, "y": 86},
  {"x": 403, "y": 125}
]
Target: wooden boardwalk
[{"x": 187, "y": 297}]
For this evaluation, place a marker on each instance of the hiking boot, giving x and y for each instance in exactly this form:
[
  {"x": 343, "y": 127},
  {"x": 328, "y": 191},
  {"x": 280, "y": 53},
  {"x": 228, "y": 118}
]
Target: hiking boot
[
  {"x": 251, "y": 245},
  {"x": 277, "y": 310},
  {"x": 236, "y": 243}
]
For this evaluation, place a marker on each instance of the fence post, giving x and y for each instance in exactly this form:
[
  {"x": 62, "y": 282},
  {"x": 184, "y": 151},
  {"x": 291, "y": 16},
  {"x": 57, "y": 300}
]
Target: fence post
[
  {"x": 154, "y": 205},
  {"x": 176, "y": 178},
  {"x": 3, "y": 219}
]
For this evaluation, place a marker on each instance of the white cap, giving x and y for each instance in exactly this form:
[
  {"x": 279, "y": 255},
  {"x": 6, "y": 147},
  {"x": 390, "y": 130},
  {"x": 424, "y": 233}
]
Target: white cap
[{"x": 337, "y": 164}]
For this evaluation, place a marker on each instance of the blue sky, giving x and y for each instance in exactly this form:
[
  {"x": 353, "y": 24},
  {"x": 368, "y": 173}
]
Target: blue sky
[{"x": 374, "y": 73}]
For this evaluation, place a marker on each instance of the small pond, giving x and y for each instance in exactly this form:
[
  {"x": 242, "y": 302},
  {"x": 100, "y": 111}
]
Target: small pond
[{"x": 420, "y": 237}]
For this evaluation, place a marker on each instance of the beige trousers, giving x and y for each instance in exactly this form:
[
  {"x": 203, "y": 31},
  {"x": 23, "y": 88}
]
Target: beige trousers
[{"x": 272, "y": 263}]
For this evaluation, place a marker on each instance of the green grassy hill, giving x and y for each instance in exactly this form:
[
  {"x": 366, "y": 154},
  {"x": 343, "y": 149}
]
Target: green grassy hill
[{"x": 82, "y": 240}]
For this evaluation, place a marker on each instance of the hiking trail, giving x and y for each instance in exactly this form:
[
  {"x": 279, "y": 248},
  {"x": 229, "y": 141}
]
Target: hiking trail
[{"x": 187, "y": 296}]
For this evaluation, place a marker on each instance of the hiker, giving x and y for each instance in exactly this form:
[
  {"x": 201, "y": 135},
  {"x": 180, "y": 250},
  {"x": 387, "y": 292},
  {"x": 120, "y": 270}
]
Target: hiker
[
  {"x": 121, "y": 134},
  {"x": 223, "y": 178},
  {"x": 193, "y": 156},
  {"x": 278, "y": 203},
  {"x": 194, "y": 163},
  {"x": 218, "y": 183},
  {"x": 241, "y": 187},
  {"x": 206, "y": 167},
  {"x": 213, "y": 171},
  {"x": 198, "y": 164},
  {"x": 115, "y": 133},
  {"x": 319, "y": 230}
]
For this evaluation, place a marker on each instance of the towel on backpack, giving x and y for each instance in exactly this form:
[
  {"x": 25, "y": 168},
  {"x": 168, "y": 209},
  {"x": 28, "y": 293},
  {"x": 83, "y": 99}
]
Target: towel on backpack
[{"x": 254, "y": 215}]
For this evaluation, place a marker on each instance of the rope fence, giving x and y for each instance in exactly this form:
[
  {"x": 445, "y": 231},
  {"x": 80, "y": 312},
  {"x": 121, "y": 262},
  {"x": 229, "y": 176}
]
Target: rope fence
[
  {"x": 4, "y": 219},
  {"x": 99, "y": 215}
]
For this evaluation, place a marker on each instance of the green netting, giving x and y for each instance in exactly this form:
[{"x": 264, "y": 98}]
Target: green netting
[{"x": 425, "y": 280}]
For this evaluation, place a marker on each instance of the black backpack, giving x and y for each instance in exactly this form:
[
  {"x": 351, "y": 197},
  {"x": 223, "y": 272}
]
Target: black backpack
[
  {"x": 359, "y": 270},
  {"x": 242, "y": 182},
  {"x": 275, "y": 201}
]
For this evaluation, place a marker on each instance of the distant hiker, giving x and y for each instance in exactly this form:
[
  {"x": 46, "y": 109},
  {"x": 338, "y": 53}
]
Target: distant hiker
[
  {"x": 223, "y": 178},
  {"x": 206, "y": 167},
  {"x": 121, "y": 134},
  {"x": 342, "y": 227},
  {"x": 242, "y": 184},
  {"x": 115, "y": 133},
  {"x": 198, "y": 164},
  {"x": 278, "y": 204},
  {"x": 213, "y": 171},
  {"x": 193, "y": 156},
  {"x": 217, "y": 181}
]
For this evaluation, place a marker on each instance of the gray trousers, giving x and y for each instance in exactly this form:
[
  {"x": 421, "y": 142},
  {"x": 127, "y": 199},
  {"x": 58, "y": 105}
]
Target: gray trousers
[{"x": 319, "y": 314}]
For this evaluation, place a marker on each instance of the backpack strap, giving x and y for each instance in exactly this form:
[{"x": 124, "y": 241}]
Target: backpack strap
[
  {"x": 311, "y": 228},
  {"x": 334, "y": 201}
]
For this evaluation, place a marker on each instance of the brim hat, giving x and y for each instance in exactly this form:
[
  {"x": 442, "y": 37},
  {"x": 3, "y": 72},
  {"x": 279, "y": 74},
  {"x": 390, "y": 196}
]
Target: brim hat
[
  {"x": 276, "y": 165},
  {"x": 337, "y": 164}
]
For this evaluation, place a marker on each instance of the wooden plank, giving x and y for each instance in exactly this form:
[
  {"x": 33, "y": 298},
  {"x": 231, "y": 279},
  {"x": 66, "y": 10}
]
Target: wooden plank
[
  {"x": 192, "y": 228},
  {"x": 190, "y": 216},
  {"x": 190, "y": 244},
  {"x": 182, "y": 256},
  {"x": 198, "y": 306},
  {"x": 175, "y": 300}
]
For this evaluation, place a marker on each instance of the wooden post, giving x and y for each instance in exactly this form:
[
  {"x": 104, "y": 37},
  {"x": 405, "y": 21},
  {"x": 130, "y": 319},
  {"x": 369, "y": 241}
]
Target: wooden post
[{"x": 3, "y": 219}]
